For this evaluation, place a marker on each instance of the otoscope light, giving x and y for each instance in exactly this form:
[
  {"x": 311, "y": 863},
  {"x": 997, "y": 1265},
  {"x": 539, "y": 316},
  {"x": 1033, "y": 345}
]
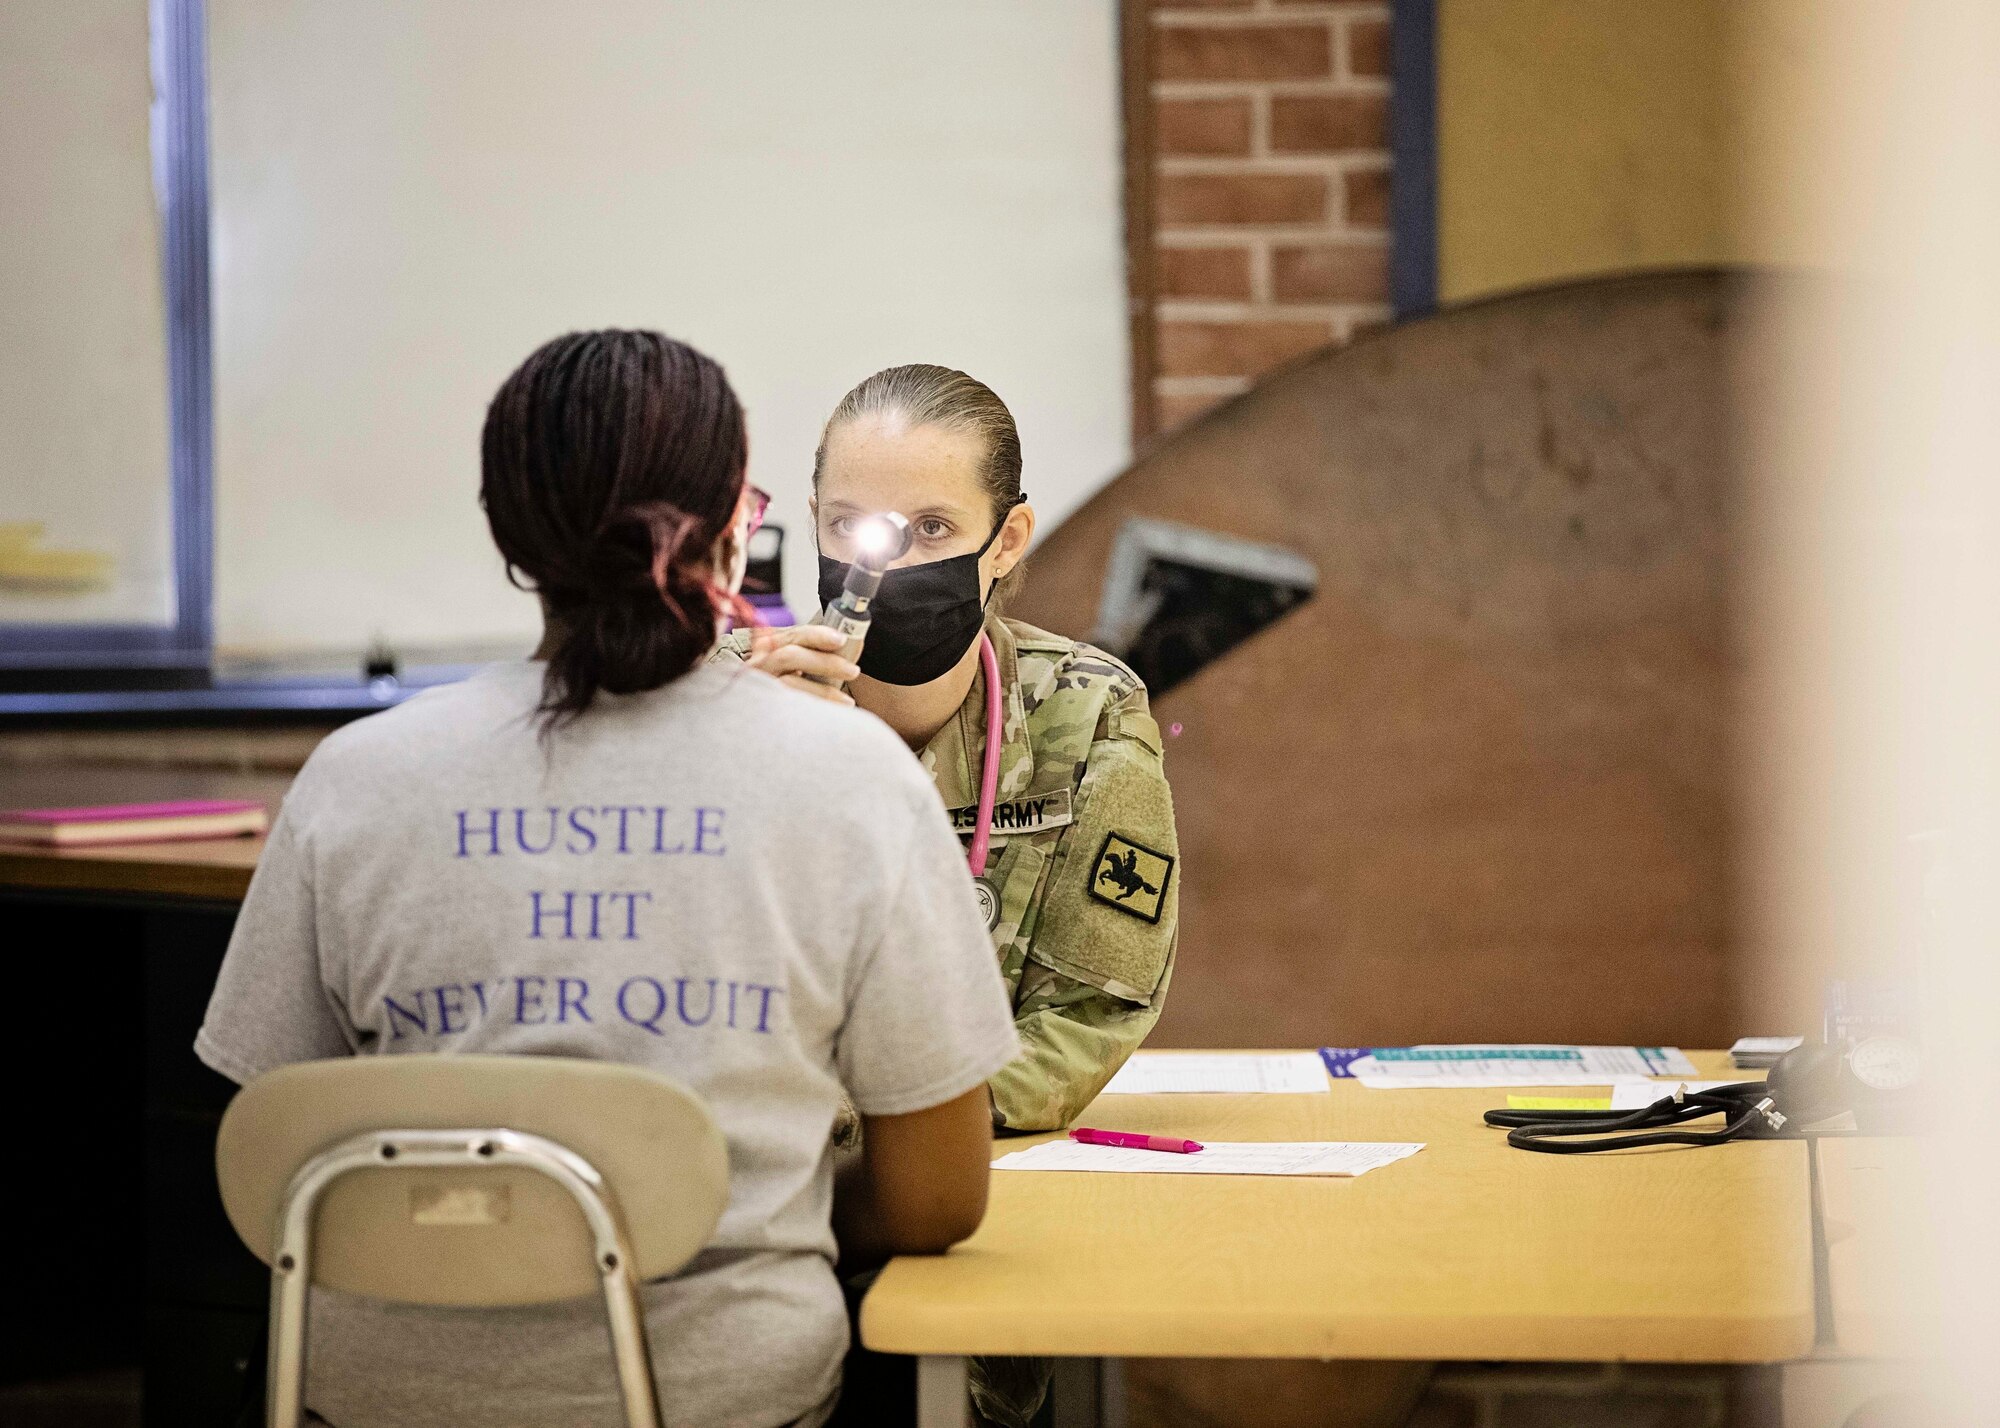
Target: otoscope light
[
  {"x": 877, "y": 541},
  {"x": 881, "y": 539}
]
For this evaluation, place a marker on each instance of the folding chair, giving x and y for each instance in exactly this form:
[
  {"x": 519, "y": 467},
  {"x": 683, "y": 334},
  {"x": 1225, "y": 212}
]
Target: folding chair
[{"x": 469, "y": 1181}]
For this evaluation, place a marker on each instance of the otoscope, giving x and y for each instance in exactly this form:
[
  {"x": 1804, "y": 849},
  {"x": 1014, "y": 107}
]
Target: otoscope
[{"x": 878, "y": 541}]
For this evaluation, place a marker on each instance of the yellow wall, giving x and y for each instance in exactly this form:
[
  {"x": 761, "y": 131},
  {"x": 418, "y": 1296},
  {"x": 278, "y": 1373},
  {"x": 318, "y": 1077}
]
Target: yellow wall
[{"x": 1582, "y": 137}]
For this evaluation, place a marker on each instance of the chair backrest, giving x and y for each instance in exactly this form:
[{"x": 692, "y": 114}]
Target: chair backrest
[{"x": 486, "y": 1235}]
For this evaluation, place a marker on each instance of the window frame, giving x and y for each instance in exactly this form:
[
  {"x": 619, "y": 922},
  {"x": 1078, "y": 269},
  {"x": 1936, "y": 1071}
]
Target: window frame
[
  {"x": 1413, "y": 158},
  {"x": 143, "y": 652}
]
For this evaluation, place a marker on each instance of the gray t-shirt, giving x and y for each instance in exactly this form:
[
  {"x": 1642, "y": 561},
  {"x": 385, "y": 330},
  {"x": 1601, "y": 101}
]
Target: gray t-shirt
[{"x": 751, "y": 890}]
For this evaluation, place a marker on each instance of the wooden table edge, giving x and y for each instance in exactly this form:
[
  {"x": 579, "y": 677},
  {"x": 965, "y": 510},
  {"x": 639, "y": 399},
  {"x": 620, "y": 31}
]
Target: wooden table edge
[
  {"x": 1762, "y": 1339},
  {"x": 132, "y": 873}
]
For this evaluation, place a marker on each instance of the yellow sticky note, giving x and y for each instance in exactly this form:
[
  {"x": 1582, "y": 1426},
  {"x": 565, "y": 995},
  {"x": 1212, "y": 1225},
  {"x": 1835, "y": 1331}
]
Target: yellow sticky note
[{"x": 1558, "y": 1103}]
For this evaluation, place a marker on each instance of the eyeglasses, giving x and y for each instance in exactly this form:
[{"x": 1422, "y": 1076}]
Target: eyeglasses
[{"x": 759, "y": 501}]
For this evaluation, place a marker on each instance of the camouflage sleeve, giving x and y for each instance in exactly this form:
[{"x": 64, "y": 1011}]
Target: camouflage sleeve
[
  {"x": 1103, "y": 948},
  {"x": 1073, "y": 1040}
]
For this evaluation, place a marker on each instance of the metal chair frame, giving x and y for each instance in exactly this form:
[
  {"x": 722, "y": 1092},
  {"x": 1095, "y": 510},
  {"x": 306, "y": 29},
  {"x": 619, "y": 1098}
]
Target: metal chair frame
[{"x": 291, "y": 1268}]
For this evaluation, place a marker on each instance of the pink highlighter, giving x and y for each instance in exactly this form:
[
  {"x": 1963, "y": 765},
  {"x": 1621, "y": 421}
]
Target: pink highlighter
[{"x": 1134, "y": 1142}]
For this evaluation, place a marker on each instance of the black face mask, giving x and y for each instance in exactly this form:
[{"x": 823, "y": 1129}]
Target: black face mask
[{"x": 924, "y": 618}]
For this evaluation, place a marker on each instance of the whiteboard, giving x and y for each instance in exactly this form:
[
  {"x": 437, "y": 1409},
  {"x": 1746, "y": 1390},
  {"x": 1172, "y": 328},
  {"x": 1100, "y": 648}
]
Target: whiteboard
[{"x": 410, "y": 195}]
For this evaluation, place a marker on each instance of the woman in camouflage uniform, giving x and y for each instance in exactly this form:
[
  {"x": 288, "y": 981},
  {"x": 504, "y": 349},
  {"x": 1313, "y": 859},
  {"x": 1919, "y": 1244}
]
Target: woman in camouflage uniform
[{"x": 1081, "y": 887}]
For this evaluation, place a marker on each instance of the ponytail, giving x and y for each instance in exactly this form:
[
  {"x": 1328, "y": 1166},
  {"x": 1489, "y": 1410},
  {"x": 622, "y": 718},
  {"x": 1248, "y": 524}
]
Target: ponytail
[{"x": 612, "y": 464}]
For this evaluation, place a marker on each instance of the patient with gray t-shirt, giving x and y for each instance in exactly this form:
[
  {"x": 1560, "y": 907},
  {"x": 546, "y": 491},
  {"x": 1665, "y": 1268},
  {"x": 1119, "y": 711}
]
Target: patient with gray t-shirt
[{"x": 531, "y": 863}]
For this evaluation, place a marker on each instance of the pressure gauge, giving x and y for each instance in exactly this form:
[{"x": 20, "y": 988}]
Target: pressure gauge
[{"x": 1886, "y": 1063}]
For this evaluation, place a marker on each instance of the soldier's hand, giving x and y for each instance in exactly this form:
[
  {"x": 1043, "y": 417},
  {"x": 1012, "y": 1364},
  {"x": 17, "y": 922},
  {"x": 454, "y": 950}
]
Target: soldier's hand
[{"x": 795, "y": 651}]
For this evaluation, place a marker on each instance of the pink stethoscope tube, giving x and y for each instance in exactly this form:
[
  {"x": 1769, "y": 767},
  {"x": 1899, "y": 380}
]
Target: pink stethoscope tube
[{"x": 989, "y": 778}]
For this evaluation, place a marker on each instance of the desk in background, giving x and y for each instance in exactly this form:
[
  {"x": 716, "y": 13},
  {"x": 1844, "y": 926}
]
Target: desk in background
[
  {"x": 125, "y": 1257},
  {"x": 213, "y": 870}
]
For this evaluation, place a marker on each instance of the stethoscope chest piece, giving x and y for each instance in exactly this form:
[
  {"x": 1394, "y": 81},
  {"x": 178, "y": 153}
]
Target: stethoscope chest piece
[{"x": 989, "y": 901}]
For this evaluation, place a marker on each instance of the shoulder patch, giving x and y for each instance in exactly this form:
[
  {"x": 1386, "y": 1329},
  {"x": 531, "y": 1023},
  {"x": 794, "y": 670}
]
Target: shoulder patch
[{"x": 1131, "y": 877}]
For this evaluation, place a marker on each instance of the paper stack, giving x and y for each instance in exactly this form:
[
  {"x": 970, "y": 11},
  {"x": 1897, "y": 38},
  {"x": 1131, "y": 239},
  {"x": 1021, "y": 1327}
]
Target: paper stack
[{"x": 1754, "y": 1052}]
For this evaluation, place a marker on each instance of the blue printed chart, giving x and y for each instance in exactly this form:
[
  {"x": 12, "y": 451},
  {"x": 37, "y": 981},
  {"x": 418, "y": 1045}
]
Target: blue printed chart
[{"x": 1437, "y": 1067}]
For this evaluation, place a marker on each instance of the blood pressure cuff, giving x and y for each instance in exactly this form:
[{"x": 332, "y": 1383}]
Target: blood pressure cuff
[{"x": 1112, "y": 910}]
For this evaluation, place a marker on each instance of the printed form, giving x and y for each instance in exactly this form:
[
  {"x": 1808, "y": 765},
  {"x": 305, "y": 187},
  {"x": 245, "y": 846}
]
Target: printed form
[
  {"x": 1637, "y": 1095},
  {"x": 1174, "y": 1073},
  {"x": 1276, "y": 1157},
  {"x": 1396, "y": 1068}
]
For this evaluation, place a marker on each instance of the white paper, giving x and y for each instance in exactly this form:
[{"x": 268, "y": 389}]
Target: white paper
[
  {"x": 1320, "y": 1157},
  {"x": 1633, "y": 1097},
  {"x": 1172, "y": 1073},
  {"x": 1766, "y": 1045},
  {"x": 1484, "y": 1067}
]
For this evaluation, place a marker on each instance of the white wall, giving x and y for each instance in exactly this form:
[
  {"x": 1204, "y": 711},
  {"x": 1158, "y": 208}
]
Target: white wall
[
  {"x": 83, "y": 358},
  {"x": 411, "y": 194}
]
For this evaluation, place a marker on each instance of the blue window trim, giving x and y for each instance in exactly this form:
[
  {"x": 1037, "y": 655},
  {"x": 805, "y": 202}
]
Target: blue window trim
[
  {"x": 180, "y": 77},
  {"x": 1413, "y": 158}
]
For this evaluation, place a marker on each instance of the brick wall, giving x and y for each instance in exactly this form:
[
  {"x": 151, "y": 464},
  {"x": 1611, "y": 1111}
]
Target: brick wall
[{"x": 1270, "y": 188}]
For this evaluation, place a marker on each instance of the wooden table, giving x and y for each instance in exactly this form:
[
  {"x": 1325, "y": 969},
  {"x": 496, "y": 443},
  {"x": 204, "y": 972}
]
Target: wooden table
[
  {"x": 215, "y": 869},
  {"x": 1468, "y": 1250}
]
